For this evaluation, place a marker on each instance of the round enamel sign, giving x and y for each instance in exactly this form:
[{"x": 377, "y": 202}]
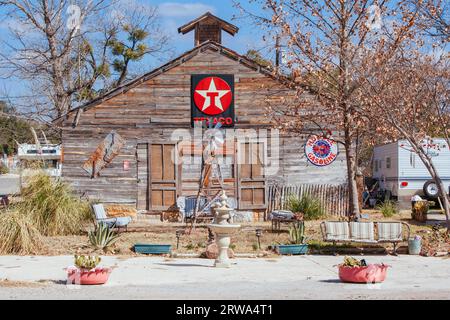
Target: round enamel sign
[
  {"x": 212, "y": 96},
  {"x": 321, "y": 151}
]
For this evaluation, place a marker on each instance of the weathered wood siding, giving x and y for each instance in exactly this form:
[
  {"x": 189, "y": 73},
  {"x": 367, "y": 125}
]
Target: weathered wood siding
[{"x": 151, "y": 111}]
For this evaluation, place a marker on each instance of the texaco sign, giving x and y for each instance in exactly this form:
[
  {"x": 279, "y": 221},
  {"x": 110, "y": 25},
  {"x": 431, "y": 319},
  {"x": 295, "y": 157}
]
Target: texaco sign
[
  {"x": 321, "y": 151},
  {"x": 212, "y": 99}
]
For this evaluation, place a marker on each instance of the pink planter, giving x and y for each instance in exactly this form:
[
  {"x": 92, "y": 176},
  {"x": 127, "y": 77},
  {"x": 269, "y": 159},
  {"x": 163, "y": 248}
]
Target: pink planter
[
  {"x": 373, "y": 273},
  {"x": 88, "y": 277}
]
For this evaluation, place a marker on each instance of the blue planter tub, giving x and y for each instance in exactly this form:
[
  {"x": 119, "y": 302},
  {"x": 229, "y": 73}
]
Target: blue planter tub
[
  {"x": 152, "y": 248},
  {"x": 292, "y": 249}
]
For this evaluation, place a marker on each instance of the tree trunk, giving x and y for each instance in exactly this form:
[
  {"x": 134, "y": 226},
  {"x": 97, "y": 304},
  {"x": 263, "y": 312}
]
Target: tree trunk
[
  {"x": 445, "y": 201},
  {"x": 427, "y": 161},
  {"x": 351, "y": 176}
]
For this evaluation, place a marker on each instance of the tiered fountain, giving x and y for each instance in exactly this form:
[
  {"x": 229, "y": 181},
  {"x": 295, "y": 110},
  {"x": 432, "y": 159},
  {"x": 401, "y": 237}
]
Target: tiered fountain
[{"x": 223, "y": 230}]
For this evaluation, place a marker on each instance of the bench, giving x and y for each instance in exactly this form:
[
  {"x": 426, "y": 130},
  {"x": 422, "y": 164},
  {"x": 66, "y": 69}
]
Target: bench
[{"x": 364, "y": 232}]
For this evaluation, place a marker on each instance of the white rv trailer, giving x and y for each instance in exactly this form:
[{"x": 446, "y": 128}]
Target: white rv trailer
[
  {"x": 49, "y": 154},
  {"x": 400, "y": 170}
]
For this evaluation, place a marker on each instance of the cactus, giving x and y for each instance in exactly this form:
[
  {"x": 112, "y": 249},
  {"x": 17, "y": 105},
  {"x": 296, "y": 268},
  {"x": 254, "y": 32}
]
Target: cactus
[
  {"x": 87, "y": 262},
  {"x": 297, "y": 233},
  {"x": 102, "y": 237},
  {"x": 352, "y": 262}
]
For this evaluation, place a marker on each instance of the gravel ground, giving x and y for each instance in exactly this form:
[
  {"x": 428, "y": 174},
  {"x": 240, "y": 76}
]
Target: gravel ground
[{"x": 299, "y": 277}]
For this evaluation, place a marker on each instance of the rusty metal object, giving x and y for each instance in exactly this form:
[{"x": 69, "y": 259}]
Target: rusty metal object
[{"x": 104, "y": 154}]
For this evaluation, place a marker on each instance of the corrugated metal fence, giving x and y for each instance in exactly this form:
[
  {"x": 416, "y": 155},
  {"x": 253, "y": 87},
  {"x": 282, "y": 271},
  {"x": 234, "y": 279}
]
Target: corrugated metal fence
[{"x": 333, "y": 197}]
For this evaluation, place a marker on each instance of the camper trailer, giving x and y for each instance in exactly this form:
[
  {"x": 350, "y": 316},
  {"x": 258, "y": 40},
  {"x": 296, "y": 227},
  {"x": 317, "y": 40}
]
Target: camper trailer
[
  {"x": 399, "y": 171},
  {"x": 48, "y": 156}
]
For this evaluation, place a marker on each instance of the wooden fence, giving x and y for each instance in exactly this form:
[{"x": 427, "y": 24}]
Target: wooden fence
[{"x": 333, "y": 197}]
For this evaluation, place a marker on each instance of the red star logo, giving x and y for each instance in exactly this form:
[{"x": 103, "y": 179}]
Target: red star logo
[{"x": 212, "y": 96}]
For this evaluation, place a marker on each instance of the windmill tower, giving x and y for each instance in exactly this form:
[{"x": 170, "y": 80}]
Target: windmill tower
[{"x": 210, "y": 171}]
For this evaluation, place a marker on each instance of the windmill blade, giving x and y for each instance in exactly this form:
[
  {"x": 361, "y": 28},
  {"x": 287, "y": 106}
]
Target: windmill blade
[{"x": 218, "y": 139}]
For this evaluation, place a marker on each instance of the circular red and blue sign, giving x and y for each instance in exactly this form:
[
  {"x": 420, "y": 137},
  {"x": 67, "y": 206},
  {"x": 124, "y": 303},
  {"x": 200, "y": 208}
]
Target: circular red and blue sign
[{"x": 321, "y": 151}]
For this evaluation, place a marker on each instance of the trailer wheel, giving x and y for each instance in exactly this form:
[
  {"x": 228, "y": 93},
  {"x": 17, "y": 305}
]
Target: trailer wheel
[{"x": 430, "y": 189}]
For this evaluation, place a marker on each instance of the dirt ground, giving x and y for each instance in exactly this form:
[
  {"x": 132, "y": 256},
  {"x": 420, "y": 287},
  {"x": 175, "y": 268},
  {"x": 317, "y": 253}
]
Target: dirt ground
[{"x": 145, "y": 230}]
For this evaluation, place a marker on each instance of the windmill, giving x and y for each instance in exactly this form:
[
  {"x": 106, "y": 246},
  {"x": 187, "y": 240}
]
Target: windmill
[{"x": 210, "y": 168}]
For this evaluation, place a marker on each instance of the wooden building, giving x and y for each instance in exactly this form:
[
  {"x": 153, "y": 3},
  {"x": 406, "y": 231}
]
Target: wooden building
[{"x": 151, "y": 111}]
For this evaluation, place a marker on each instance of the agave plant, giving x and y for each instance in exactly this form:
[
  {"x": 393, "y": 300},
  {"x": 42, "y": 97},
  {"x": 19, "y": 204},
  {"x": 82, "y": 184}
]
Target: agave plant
[
  {"x": 297, "y": 233},
  {"x": 87, "y": 262},
  {"x": 102, "y": 237}
]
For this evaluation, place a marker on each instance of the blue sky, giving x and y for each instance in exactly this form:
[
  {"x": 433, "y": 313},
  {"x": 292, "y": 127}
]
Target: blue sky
[{"x": 172, "y": 15}]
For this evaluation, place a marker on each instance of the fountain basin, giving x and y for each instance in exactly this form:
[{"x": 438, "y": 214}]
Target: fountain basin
[{"x": 225, "y": 229}]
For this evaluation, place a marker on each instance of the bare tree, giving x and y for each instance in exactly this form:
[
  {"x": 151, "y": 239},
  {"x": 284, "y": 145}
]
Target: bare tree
[
  {"x": 409, "y": 99},
  {"x": 64, "y": 49},
  {"x": 434, "y": 17},
  {"x": 325, "y": 42}
]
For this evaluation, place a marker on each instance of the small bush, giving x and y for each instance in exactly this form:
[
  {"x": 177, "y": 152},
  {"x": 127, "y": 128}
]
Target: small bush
[
  {"x": 388, "y": 209},
  {"x": 310, "y": 206},
  {"x": 53, "y": 207},
  {"x": 3, "y": 169},
  {"x": 18, "y": 235}
]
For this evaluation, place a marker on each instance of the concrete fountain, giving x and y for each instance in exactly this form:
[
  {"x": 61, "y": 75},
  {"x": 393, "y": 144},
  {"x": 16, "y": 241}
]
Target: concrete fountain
[{"x": 223, "y": 231}]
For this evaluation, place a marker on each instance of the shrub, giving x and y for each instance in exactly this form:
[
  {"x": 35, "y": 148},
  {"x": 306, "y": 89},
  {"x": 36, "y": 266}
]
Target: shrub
[
  {"x": 310, "y": 206},
  {"x": 53, "y": 207},
  {"x": 3, "y": 169},
  {"x": 18, "y": 235},
  {"x": 388, "y": 209}
]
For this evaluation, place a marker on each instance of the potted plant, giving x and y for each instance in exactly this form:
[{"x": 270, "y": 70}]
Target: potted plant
[
  {"x": 297, "y": 241},
  {"x": 420, "y": 210},
  {"x": 358, "y": 271},
  {"x": 86, "y": 272}
]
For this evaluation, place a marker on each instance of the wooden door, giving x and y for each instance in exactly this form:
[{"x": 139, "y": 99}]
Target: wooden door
[
  {"x": 158, "y": 176},
  {"x": 164, "y": 176},
  {"x": 250, "y": 175}
]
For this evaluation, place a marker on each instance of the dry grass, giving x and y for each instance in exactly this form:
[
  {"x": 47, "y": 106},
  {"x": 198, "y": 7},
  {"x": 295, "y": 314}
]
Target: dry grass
[
  {"x": 245, "y": 241},
  {"x": 52, "y": 206},
  {"x": 5, "y": 283},
  {"x": 18, "y": 235}
]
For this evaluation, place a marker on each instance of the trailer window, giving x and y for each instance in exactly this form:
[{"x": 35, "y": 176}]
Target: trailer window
[
  {"x": 388, "y": 163},
  {"x": 376, "y": 165}
]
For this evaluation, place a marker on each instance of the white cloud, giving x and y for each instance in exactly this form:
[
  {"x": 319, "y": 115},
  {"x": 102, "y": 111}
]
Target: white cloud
[{"x": 176, "y": 9}]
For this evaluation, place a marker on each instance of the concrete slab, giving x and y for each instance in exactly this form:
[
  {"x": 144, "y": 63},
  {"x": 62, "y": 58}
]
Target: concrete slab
[
  {"x": 299, "y": 277},
  {"x": 9, "y": 184}
]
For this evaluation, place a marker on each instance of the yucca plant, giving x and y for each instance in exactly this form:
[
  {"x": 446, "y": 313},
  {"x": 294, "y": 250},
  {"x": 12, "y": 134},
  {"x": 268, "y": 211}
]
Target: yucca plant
[
  {"x": 102, "y": 237},
  {"x": 297, "y": 234},
  {"x": 309, "y": 206},
  {"x": 87, "y": 262}
]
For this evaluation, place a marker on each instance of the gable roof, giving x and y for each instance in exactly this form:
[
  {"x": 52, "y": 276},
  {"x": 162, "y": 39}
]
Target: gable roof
[
  {"x": 208, "y": 45},
  {"x": 224, "y": 25}
]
